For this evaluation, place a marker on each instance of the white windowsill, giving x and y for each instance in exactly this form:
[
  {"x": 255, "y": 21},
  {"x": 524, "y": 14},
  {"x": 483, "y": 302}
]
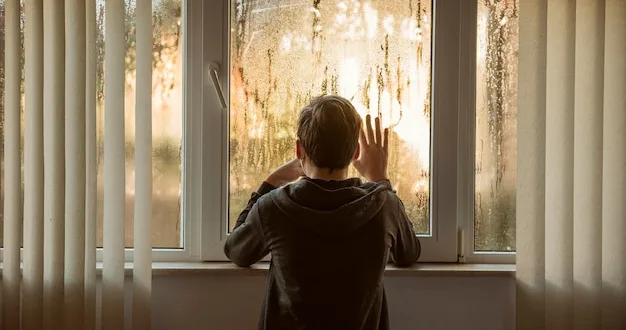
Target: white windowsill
[
  {"x": 226, "y": 268},
  {"x": 229, "y": 269}
]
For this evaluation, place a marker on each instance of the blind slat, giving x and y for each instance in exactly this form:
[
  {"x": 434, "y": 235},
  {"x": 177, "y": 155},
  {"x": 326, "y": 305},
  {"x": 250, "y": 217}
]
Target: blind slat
[
  {"x": 75, "y": 164},
  {"x": 11, "y": 282},
  {"x": 614, "y": 163},
  {"x": 32, "y": 315},
  {"x": 559, "y": 162},
  {"x": 114, "y": 176},
  {"x": 530, "y": 199},
  {"x": 588, "y": 101},
  {"x": 91, "y": 167},
  {"x": 142, "y": 271},
  {"x": 54, "y": 172}
]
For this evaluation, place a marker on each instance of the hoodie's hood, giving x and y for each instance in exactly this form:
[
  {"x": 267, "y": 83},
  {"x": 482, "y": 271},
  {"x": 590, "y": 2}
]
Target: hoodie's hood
[{"x": 331, "y": 208}]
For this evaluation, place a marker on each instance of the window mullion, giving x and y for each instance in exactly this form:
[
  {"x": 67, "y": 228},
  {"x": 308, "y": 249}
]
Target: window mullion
[
  {"x": 214, "y": 166},
  {"x": 442, "y": 247},
  {"x": 467, "y": 120}
]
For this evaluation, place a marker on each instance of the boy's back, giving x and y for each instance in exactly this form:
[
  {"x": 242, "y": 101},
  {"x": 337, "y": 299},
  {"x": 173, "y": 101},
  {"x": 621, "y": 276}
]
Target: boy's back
[
  {"x": 330, "y": 242},
  {"x": 330, "y": 237}
]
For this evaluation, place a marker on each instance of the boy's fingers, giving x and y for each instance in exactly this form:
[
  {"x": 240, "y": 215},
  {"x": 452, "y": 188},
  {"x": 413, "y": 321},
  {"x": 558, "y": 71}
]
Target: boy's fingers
[
  {"x": 386, "y": 141},
  {"x": 370, "y": 131},
  {"x": 362, "y": 138},
  {"x": 379, "y": 139}
]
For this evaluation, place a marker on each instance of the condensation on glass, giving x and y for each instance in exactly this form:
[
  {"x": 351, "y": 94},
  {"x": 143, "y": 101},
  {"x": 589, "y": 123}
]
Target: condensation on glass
[
  {"x": 167, "y": 118},
  {"x": 496, "y": 125},
  {"x": 375, "y": 53}
]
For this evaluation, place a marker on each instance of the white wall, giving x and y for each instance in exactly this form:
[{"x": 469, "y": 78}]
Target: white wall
[
  {"x": 224, "y": 302},
  {"x": 197, "y": 302}
]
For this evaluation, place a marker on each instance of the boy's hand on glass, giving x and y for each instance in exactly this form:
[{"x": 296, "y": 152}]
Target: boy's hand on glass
[
  {"x": 372, "y": 161},
  {"x": 285, "y": 174}
]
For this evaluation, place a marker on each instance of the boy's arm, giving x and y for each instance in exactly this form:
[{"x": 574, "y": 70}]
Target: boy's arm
[
  {"x": 246, "y": 244},
  {"x": 406, "y": 248}
]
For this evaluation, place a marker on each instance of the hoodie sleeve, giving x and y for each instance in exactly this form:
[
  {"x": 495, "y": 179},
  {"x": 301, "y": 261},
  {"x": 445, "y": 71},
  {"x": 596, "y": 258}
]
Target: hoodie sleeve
[
  {"x": 246, "y": 245},
  {"x": 406, "y": 246}
]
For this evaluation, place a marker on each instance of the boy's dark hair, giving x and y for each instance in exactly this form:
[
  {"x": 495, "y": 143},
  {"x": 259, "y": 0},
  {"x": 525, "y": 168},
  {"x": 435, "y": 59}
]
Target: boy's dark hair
[{"x": 328, "y": 130}]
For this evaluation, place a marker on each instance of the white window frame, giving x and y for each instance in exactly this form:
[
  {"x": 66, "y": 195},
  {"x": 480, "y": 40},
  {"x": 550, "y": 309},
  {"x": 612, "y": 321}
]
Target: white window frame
[{"x": 205, "y": 156}]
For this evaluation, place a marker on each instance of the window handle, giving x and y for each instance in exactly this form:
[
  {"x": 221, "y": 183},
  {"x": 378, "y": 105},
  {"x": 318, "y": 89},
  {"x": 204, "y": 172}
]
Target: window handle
[{"x": 215, "y": 78}]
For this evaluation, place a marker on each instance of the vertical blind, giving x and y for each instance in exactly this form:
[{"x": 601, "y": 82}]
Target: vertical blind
[
  {"x": 571, "y": 210},
  {"x": 57, "y": 222}
]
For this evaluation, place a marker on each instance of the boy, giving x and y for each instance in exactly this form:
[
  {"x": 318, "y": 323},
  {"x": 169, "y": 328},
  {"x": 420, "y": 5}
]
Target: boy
[{"x": 330, "y": 236}]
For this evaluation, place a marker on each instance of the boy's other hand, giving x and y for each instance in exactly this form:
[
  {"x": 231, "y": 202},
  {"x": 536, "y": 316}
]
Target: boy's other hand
[
  {"x": 286, "y": 173},
  {"x": 372, "y": 161}
]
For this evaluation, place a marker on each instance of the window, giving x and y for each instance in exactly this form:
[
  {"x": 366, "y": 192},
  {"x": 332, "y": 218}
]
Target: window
[{"x": 441, "y": 74}]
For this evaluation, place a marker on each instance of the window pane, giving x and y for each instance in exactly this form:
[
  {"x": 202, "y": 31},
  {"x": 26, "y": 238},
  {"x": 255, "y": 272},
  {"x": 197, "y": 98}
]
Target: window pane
[
  {"x": 496, "y": 125},
  {"x": 167, "y": 116},
  {"x": 375, "y": 53}
]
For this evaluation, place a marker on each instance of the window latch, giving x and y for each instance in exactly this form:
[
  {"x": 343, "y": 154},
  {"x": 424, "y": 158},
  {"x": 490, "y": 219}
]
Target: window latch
[
  {"x": 215, "y": 78},
  {"x": 460, "y": 257}
]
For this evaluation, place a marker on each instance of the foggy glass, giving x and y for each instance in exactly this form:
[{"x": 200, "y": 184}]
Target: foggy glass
[
  {"x": 375, "y": 53},
  {"x": 496, "y": 125}
]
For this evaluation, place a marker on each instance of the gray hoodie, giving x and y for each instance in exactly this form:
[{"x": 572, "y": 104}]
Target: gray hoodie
[{"x": 330, "y": 242}]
